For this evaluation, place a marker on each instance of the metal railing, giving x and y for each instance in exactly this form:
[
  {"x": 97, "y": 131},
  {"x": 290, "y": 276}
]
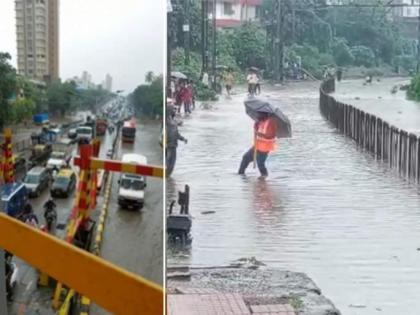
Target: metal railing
[{"x": 398, "y": 148}]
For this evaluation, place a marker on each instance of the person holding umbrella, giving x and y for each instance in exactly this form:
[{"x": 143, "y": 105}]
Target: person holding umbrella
[{"x": 270, "y": 123}]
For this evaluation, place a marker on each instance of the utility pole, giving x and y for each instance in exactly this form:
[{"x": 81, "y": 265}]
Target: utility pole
[
  {"x": 186, "y": 29},
  {"x": 168, "y": 48},
  {"x": 204, "y": 36},
  {"x": 214, "y": 44},
  {"x": 279, "y": 42},
  {"x": 418, "y": 42}
]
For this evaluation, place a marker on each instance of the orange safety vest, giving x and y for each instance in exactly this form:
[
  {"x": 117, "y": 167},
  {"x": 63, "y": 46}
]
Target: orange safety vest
[{"x": 265, "y": 138}]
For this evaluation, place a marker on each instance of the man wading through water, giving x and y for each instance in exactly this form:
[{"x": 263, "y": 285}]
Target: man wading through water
[{"x": 265, "y": 129}]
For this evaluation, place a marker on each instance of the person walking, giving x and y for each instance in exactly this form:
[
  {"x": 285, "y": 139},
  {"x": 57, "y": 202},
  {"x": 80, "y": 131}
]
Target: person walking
[
  {"x": 252, "y": 80},
  {"x": 172, "y": 138},
  {"x": 265, "y": 129},
  {"x": 229, "y": 81}
]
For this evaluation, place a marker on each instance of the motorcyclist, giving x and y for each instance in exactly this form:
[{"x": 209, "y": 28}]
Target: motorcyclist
[{"x": 50, "y": 214}]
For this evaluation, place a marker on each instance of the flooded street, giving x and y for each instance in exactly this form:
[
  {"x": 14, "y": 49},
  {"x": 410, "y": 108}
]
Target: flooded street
[{"x": 327, "y": 208}]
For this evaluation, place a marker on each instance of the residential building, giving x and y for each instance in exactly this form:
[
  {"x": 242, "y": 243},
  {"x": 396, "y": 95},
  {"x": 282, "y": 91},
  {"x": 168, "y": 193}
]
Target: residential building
[
  {"x": 108, "y": 83},
  {"x": 37, "y": 38},
  {"x": 230, "y": 13}
]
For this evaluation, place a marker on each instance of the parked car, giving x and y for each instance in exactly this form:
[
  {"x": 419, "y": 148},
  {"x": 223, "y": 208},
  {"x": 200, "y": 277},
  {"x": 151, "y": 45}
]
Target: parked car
[
  {"x": 64, "y": 183},
  {"x": 37, "y": 180}
]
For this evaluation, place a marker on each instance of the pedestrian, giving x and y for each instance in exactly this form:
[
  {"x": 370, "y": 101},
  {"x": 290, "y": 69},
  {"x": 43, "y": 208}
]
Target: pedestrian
[
  {"x": 252, "y": 80},
  {"x": 265, "y": 129},
  {"x": 172, "y": 138},
  {"x": 189, "y": 97},
  {"x": 229, "y": 81},
  {"x": 185, "y": 98},
  {"x": 205, "y": 79}
]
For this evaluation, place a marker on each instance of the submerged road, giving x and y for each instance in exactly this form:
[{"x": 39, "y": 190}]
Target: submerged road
[{"x": 327, "y": 208}]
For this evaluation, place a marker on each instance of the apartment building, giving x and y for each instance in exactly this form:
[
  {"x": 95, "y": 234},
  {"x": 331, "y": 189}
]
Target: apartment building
[
  {"x": 230, "y": 13},
  {"x": 37, "y": 35}
]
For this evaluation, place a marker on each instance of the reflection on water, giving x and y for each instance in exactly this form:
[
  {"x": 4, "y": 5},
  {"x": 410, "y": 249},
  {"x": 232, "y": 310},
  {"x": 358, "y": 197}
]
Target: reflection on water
[{"x": 327, "y": 208}]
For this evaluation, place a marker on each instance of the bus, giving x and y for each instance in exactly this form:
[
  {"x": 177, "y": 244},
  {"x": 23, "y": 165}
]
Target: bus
[{"x": 129, "y": 131}]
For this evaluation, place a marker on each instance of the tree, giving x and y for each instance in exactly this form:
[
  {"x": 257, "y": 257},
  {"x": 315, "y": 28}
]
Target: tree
[
  {"x": 7, "y": 87},
  {"x": 147, "y": 99},
  {"x": 363, "y": 56},
  {"x": 341, "y": 52}
]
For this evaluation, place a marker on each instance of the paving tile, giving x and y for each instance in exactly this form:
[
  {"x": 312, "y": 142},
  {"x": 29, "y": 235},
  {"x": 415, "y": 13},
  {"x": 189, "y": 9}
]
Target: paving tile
[
  {"x": 207, "y": 304},
  {"x": 273, "y": 309}
]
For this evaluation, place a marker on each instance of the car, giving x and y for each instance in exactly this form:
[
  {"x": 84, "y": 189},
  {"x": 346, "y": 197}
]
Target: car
[
  {"x": 72, "y": 134},
  {"x": 37, "y": 180},
  {"x": 64, "y": 183}
]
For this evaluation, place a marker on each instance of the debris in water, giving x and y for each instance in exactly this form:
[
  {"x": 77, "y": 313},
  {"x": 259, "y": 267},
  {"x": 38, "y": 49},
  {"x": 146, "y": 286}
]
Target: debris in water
[
  {"x": 208, "y": 212},
  {"x": 250, "y": 263},
  {"x": 357, "y": 306},
  {"x": 357, "y": 98}
]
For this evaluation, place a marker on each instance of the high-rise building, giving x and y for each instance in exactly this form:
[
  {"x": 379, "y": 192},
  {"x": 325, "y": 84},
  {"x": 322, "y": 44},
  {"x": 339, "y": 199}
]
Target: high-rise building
[
  {"x": 108, "y": 83},
  {"x": 37, "y": 38}
]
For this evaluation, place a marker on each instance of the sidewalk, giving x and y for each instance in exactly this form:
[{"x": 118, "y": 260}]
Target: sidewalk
[{"x": 208, "y": 301}]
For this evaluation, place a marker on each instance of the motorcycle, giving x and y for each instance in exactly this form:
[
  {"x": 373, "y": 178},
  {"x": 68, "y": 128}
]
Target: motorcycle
[
  {"x": 50, "y": 214},
  {"x": 11, "y": 275}
]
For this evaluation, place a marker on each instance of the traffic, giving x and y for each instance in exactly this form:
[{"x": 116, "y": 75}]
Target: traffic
[{"x": 46, "y": 176}]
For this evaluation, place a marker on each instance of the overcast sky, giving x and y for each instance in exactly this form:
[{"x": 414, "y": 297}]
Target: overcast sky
[{"x": 122, "y": 38}]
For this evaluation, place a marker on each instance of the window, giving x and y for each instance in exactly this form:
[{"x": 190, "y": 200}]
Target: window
[{"x": 228, "y": 8}]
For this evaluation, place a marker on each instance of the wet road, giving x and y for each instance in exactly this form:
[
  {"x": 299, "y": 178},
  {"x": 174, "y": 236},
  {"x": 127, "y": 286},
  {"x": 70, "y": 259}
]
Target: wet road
[
  {"x": 28, "y": 298},
  {"x": 327, "y": 208},
  {"x": 134, "y": 239},
  {"x": 377, "y": 99}
]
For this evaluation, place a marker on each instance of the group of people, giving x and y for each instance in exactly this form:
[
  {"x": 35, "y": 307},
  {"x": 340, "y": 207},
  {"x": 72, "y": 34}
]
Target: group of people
[
  {"x": 183, "y": 94},
  {"x": 253, "y": 81}
]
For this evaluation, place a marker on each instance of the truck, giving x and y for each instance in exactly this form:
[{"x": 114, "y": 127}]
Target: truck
[
  {"x": 60, "y": 155},
  {"x": 101, "y": 127},
  {"x": 84, "y": 134},
  {"x": 40, "y": 119},
  {"x": 132, "y": 186}
]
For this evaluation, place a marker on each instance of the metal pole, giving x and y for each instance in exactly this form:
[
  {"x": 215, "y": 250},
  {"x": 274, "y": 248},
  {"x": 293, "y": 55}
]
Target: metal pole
[
  {"x": 203, "y": 35},
  {"x": 418, "y": 42},
  {"x": 3, "y": 294},
  {"x": 168, "y": 54},
  {"x": 186, "y": 29},
  {"x": 214, "y": 44}
]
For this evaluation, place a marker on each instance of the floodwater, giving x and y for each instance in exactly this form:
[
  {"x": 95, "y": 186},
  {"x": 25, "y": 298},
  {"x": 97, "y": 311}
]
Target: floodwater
[
  {"x": 327, "y": 208},
  {"x": 377, "y": 99}
]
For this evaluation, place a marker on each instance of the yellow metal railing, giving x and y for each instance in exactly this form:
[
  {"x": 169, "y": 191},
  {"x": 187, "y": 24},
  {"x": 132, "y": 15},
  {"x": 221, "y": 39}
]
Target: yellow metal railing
[{"x": 109, "y": 286}]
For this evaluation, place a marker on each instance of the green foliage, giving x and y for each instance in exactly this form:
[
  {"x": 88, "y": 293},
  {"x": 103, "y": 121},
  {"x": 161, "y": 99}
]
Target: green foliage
[
  {"x": 147, "y": 99},
  {"x": 7, "y": 87},
  {"x": 406, "y": 62},
  {"x": 203, "y": 93},
  {"x": 22, "y": 109},
  {"x": 248, "y": 45},
  {"x": 363, "y": 56},
  {"x": 193, "y": 70},
  {"x": 341, "y": 52},
  {"x": 414, "y": 88},
  {"x": 312, "y": 60}
]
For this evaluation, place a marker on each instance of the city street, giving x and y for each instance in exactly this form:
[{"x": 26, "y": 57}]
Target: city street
[
  {"x": 132, "y": 239},
  {"x": 327, "y": 208}
]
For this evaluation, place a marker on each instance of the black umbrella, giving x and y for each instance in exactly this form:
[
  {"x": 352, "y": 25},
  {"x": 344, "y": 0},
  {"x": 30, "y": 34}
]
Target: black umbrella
[
  {"x": 254, "y": 69},
  {"x": 254, "y": 106}
]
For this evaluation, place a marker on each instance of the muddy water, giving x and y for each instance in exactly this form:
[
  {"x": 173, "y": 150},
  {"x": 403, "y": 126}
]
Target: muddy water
[{"x": 327, "y": 209}]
